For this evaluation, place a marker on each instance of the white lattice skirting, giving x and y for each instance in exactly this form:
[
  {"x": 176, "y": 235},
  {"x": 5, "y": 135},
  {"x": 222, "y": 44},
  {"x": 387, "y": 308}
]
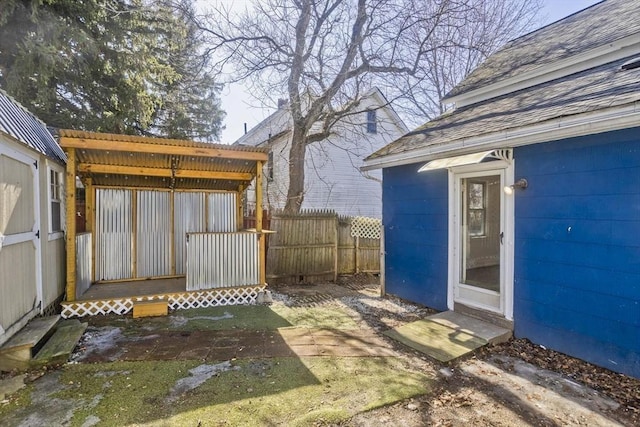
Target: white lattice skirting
[{"x": 182, "y": 300}]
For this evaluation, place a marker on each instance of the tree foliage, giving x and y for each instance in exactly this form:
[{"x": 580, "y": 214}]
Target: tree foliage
[
  {"x": 323, "y": 55},
  {"x": 124, "y": 66}
]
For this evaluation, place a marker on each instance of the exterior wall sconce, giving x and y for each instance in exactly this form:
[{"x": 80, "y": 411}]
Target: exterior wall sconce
[{"x": 521, "y": 183}]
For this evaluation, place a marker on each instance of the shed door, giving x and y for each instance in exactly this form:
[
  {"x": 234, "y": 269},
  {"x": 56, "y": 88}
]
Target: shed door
[{"x": 20, "y": 272}]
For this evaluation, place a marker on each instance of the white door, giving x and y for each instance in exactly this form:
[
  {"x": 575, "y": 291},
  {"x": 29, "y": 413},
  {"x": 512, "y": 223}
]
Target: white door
[
  {"x": 481, "y": 265},
  {"x": 20, "y": 271}
]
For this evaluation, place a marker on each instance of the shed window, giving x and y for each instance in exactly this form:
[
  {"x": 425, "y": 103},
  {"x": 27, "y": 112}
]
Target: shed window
[
  {"x": 372, "y": 125},
  {"x": 55, "y": 197}
]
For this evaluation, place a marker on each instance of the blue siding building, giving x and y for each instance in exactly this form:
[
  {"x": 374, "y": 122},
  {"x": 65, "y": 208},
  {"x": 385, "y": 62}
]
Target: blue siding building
[
  {"x": 522, "y": 205},
  {"x": 577, "y": 248}
]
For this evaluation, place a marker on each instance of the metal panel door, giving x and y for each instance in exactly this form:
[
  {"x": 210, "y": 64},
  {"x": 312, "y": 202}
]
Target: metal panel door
[{"x": 188, "y": 218}]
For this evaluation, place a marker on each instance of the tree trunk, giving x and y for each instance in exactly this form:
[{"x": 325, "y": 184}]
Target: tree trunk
[{"x": 295, "y": 192}]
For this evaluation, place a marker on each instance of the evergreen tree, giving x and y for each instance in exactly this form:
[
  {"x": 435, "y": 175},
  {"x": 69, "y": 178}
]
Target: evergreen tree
[{"x": 123, "y": 66}]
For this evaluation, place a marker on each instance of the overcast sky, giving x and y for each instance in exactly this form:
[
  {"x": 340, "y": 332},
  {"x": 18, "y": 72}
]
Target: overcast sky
[{"x": 241, "y": 109}]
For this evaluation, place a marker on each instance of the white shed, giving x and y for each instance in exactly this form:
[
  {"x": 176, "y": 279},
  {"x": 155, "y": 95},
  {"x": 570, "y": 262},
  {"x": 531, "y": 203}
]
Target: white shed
[{"x": 32, "y": 247}]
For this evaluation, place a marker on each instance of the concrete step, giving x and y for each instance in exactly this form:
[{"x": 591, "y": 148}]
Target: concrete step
[
  {"x": 20, "y": 349},
  {"x": 448, "y": 335},
  {"x": 59, "y": 347},
  {"x": 492, "y": 334}
]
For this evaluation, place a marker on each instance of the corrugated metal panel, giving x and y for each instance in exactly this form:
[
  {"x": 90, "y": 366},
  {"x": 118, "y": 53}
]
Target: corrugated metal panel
[
  {"x": 16, "y": 196},
  {"x": 154, "y": 234},
  {"x": 189, "y": 217},
  {"x": 71, "y": 133},
  {"x": 114, "y": 234},
  {"x": 55, "y": 266},
  {"x": 164, "y": 183},
  {"x": 221, "y": 212},
  {"x": 216, "y": 260},
  {"x": 16, "y": 121},
  {"x": 83, "y": 263}
]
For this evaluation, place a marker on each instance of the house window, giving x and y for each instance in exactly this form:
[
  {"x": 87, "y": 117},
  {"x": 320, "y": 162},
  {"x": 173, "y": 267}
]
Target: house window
[
  {"x": 477, "y": 208},
  {"x": 270, "y": 166},
  {"x": 372, "y": 125},
  {"x": 55, "y": 197}
]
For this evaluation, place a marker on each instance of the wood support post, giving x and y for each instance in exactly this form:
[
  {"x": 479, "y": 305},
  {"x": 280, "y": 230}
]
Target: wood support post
[
  {"x": 70, "y": 200},
  {"x": 261, "y": 236},
  {"x": 239, "y": 208}
]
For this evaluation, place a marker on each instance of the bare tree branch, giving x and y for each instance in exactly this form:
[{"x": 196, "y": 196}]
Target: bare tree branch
[{"x": 324, "y": 55}]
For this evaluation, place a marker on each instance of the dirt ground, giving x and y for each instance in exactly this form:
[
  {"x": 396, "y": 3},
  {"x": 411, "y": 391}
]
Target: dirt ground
[
  {"x": 464, "y": 396},
  {"x": 515, "y": 383}
]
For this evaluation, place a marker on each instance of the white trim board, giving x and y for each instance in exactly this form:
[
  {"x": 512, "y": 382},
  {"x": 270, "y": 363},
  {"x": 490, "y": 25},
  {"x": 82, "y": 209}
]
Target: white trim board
[{"x": 507, "y": 219}]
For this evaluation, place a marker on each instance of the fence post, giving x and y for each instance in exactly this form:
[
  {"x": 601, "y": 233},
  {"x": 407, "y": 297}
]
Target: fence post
[
  {"x": 357, "y": 254},
  {"x": 335, "y": 248}
]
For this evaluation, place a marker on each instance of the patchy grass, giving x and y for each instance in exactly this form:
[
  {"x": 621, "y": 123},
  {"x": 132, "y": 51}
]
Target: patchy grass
[
  {"x": 326, "y": 317},
  {"x": 253, "y": 317},
  {"x": 284, "y": 391}
]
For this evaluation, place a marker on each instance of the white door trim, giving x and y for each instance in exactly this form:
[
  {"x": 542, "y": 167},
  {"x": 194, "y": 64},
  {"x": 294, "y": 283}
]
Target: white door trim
[{"x": 507, "y": 217}]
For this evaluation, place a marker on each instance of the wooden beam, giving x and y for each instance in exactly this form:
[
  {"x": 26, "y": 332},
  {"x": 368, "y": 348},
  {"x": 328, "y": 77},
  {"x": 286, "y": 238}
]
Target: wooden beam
[
  {"x": 70, "y": 187},
  {"x": 142, "y": 147},
  {"x": 261, "y": 236},
  {"x": 146, "y": 171}
]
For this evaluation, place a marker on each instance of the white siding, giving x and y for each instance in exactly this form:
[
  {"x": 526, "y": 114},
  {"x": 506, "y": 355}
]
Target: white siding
[{"x": 332, "y": 176}]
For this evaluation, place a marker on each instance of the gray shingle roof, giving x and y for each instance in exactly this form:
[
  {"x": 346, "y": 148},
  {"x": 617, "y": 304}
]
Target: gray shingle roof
[
  {"x": 598, "y": 88},
  {"x": 595, "y": 26},
  {"x": 20, "y": 124}
]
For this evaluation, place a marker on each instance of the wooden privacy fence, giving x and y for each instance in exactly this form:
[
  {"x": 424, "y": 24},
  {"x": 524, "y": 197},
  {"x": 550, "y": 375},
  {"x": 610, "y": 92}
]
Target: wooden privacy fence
[{"x": 316, "y": 246}]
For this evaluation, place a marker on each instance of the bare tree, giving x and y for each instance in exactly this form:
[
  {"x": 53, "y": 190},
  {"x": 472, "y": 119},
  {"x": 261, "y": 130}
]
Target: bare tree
[
  {"x": 459, "y": 46},
  {"x": 323, "y": 55}
]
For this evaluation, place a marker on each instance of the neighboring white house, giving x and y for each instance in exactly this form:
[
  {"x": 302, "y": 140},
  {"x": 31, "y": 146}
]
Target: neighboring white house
[
  {"x": 32, "y": 250},
  {"x": 332, "y": 176}
]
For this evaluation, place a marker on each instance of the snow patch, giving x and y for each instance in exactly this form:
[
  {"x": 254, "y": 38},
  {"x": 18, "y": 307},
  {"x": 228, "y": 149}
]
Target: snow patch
[
  {"x": 178, "y": 321},
  {"x": 198, "y": 376}
]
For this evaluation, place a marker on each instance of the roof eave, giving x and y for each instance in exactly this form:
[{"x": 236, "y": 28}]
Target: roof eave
[{"x": 605, "y": 120}]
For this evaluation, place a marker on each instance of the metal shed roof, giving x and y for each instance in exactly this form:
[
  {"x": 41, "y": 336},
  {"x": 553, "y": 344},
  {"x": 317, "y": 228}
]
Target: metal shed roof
[
  {"x": 23, "y": 126},
  {"x": 137, "y": 161}
]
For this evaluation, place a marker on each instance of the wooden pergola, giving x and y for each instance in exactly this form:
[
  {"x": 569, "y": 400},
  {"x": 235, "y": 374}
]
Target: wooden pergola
[{"x": 123, "y": 161}]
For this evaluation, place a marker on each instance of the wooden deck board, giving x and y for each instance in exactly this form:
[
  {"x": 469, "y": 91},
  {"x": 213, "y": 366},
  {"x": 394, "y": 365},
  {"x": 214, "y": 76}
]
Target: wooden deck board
[
  {"x": 61, "y": 344},
  {"x": 101, "y": 291}
]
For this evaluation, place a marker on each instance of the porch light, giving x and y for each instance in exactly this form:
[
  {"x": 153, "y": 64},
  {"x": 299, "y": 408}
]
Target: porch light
[{"x": 521, "y": 183}]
